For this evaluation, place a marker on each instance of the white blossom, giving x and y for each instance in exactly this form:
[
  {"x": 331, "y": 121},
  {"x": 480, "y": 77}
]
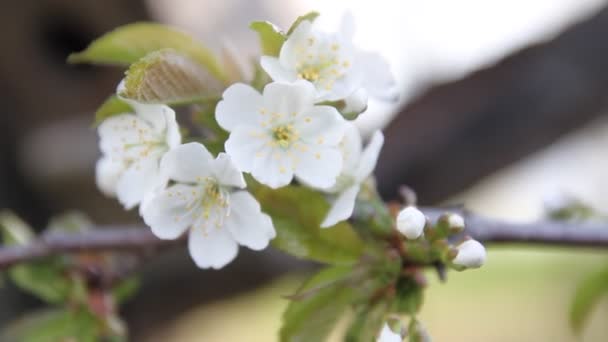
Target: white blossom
[
  {"x": 411, "y": 222},
  {"x": 387, "y": 335},
  {"x": 358, "y": 166},
  {"x": 205, "y": 197},
  {"x": 332, "y": 63},
  {"x": 132, "y": 145},
  {"x": 455, "y": 221},
  {"x": 471, "y": 254},
  {"x": 282, "y": 133}
]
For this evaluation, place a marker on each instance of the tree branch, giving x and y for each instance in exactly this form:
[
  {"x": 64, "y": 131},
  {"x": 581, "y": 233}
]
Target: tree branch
[
  {"x": 141, "y": 239},
  {"x": 554, "y": 233},
  {"x": 104, "y": 238}
]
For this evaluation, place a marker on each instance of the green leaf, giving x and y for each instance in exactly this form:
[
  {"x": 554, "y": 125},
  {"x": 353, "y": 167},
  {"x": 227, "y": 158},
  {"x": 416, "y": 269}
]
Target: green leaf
[
  {"x": 129, "y": 43},
  {"x": 14, "y": 230},
  {"x": 166, "y": 76},
  {"x": 297, "y": 213},
  {"x": 112, "y": 106},
  {"x": 260, "y": 78},
  {"x": 367, "y": 323},
  {"x": 53, "y": 325},
  {"x": 312, "y": 317},
  {"x": 45, "y": 280},
  {"x": 271, "y": 38},
  {"x": 588, "y": 294},
  {"x": 310, "y": 16}
]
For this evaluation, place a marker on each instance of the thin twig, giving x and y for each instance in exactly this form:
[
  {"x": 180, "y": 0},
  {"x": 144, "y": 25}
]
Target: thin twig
[
  {"x": 488, "y": 231},
  {"x": 104, "y": 238},
  {"x": 555, "y": 233}
]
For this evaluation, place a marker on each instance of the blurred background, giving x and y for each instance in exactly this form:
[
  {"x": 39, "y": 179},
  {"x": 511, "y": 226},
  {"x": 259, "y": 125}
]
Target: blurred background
[{"x": 502, "y": 108}]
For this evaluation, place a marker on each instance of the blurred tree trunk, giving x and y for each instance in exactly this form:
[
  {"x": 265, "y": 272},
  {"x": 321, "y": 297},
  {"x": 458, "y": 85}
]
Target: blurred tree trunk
[{"x": 459, "y": 132}]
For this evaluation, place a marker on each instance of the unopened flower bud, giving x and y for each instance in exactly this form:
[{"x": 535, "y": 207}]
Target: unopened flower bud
[
  {"x": 355, "y": 104},
  {"x": 471, "y": 254},
  {"x": 456, "y": 222},
  {"x": 388, "y": 335},
  {"x": 411, "y": 222}
]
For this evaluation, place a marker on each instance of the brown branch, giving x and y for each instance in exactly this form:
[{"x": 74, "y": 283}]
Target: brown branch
[
  {"x": 554, "y": 233},
  {"x": 141, "y": 239},
  {"x": 130, "y": 238}
]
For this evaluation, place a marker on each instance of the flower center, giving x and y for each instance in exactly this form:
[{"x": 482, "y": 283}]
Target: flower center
[
  {"x": 321, "y": 63},
  {"x": 309, "y": 73},
  {"x": 213, "y": 197},
  {"x": 284, "y": 135}
]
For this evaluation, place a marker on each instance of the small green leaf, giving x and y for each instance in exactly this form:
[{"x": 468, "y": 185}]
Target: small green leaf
[
  {"x": 328, "y": 276},
  {"x": 112, "y": 106},
  {"x": 310, "y": 16},
  {"x": 271, "y": 38},
  {"x": 260, "y": 78},
  {"x": 367, "y": 323},
  {"x": 53, "y": 325},
  {"x": 297, "y": 213},
  {"x": 312, "y": 317},
  {"x": 588, "y": 294},
  {"x": 71, "y": 221},
  {"x": 44, "y": 279},
  {"x": 127, "y": 44},
  {"x": 166, "y": 76},
  {"x": 14, "y": 230}
]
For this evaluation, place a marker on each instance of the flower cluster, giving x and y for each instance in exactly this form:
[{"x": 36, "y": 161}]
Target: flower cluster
[
  {"x": 412, "y": 223},
  {"x": 295, "y": 130}
]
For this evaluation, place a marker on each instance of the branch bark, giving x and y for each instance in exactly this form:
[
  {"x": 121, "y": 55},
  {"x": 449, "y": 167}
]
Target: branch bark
[
  {"x": 141, "y": 239},
  {"x": 553, "y": 233},
  {"x": 104, "y": 238}
]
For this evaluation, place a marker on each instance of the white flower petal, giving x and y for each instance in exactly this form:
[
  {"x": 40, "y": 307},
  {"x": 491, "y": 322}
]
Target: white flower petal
[
  {"x": 288, "y": 55},
  {"x": 247, "y": 224},
  {"x": 369, "y": 157},
  {"x": 240, "y": 105},
  {"x": 380, "y": 83},
  {"x": 173, "y": 135},
  {"x": 107, "y": 174},
  {"x": 342, "y": 207},
  {"x": 347, "y": 25},
  {"x": 289, "y": 98},
  {"x": 214, "y": 248},
  {"x": 187, "y": 163},
  {"x": 350, "y": 146},
  {"x": 243, "y": 146},
  {"x": 226, "y": 173},
  {"x": 319, "y": 166},
  {"x": 121, "y": 135},
  {"x": 142, "y": 177},
  {"x": 167, "y": 212},
  {"x": 320, "y": 125},
  {"x": 273, "y": 168},
  {"x": 156, "y": 115},
  {"x": 387, "y": 335},
  {"x": 276, "y": 70}
]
